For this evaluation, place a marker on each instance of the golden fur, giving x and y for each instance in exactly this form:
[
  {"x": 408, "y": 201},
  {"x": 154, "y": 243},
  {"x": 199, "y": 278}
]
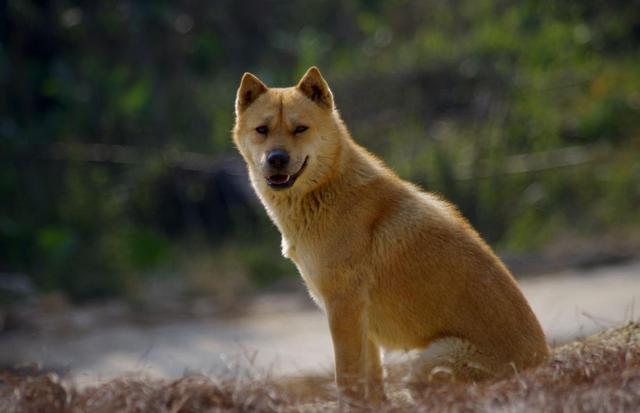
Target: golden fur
[{"x": 394, "y": 267}]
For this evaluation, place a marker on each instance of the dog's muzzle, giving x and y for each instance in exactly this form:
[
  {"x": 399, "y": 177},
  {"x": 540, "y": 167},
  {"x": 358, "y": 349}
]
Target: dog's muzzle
[{"x": 282, "y": 181}]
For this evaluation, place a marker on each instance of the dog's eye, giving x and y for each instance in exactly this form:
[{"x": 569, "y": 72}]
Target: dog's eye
[
  {"x": 300, "y": 129},
  {"x": 263, "y": 130}
]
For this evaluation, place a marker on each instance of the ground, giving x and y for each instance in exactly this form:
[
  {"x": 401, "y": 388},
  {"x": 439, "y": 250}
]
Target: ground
[
  {"x": 280, "y": 333},
  {"x": 597, "y": 374}
]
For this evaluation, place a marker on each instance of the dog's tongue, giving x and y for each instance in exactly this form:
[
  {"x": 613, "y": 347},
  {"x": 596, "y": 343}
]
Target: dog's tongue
[{"x": 278, "y": 179}]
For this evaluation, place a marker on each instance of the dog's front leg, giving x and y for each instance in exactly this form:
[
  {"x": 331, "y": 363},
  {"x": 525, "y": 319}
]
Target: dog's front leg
[
  {"x": 347, "y": 324},
  {"x": 375, "y": 385}
]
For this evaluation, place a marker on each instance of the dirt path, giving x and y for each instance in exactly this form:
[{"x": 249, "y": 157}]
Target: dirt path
[{"x": 569, "y": 304}]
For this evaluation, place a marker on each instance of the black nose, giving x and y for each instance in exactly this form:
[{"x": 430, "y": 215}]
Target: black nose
[{"x": 278, "y": 158}]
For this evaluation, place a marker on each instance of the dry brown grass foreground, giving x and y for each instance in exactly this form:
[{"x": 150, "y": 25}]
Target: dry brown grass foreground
[{"x": 597, "y": 374}]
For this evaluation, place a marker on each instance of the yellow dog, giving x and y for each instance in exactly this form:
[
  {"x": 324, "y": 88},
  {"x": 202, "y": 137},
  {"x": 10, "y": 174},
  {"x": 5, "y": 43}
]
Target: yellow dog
[{"x": 394, "y": 267}]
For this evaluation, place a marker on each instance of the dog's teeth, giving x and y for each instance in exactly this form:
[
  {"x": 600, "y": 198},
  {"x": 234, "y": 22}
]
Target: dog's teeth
[{"x": 279, "y": 179}]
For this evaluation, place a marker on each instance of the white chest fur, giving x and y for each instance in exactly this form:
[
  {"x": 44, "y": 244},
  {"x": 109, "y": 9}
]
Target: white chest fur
[{"x": 307, "y": 267}]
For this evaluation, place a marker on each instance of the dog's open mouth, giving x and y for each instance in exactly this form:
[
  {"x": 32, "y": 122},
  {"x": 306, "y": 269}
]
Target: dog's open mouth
[{"x": 280, "y": 181}]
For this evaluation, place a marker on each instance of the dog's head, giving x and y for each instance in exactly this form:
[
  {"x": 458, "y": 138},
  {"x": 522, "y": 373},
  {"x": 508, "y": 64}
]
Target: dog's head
[{"x": 289, "y": 137}]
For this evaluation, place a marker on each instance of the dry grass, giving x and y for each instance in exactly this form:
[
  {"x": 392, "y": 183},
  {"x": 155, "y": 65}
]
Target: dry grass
[{"x": 598, "y": 374}]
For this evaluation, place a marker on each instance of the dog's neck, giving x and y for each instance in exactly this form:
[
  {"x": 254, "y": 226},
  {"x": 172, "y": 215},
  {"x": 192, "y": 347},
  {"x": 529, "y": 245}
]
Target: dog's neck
[{"x": 297, "y": 212}]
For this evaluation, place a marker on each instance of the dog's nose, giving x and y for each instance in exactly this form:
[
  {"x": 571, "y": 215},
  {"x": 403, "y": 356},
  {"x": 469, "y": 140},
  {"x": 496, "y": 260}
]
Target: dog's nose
[{"x": 278, "y": 158}]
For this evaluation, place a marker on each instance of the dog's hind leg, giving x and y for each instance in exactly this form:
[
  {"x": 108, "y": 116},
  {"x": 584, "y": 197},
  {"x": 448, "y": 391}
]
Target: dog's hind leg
[{"x": 446, "y": 360}]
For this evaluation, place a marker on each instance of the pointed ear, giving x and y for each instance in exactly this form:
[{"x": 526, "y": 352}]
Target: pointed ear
[
  {"x": 250, "y": 89},
  {"x": 313, "y": 86}
]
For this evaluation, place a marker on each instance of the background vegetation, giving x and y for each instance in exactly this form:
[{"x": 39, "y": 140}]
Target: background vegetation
[{"x": 117, "y": 167}]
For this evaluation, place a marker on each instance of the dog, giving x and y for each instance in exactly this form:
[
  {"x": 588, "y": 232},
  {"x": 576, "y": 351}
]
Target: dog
[{"x": 393, "y": 267}]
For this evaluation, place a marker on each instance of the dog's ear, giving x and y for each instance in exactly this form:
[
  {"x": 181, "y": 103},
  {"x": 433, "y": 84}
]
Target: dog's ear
[
  {"x": 250, "y": 89},
  {"x": 313, "y": 86}
]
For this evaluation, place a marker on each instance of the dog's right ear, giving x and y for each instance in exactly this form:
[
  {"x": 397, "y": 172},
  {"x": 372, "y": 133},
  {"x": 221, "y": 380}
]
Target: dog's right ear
[{"x": 250, "y": 89}]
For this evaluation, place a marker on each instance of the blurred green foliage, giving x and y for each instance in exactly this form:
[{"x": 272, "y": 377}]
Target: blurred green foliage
[{"x": 525, "y": 114}]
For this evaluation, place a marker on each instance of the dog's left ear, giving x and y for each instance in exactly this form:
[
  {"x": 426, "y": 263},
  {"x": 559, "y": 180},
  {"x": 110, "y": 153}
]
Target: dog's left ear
[{"x": 313, "y": 86}]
